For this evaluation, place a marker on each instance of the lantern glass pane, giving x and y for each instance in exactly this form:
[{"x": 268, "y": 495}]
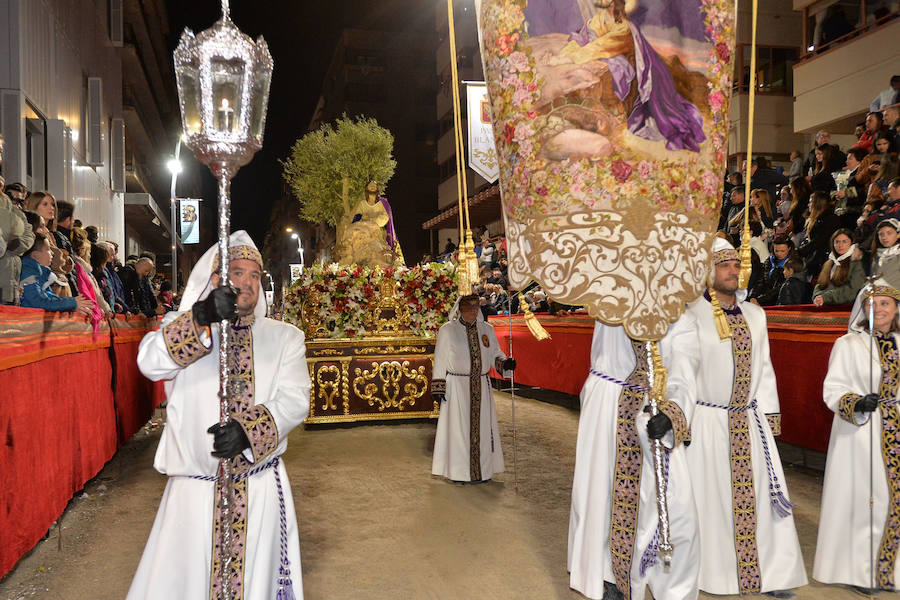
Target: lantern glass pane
[
  {"x": 227, "y": 89},
  {"x": 189, "y": 84},
  {"x": 259, "y": 101}
]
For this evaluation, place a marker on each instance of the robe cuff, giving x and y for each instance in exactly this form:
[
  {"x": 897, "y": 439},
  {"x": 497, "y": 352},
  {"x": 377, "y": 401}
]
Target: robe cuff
[
  {"x": 774, "y": 420},
  {"x": 183, "y": 340},
  {"x": 259, "y": 426},
  {"x": 681, "y": 431},
  {"x": 438, "y": 386},
  {"x": 847, "y": 410}
]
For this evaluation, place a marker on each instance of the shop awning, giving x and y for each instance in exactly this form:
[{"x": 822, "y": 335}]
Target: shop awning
[{"x": 484, "y": 208}]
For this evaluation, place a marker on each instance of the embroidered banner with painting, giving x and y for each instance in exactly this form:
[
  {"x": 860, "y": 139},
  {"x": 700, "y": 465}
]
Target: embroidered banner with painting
[{"x": 610, "y": 119}]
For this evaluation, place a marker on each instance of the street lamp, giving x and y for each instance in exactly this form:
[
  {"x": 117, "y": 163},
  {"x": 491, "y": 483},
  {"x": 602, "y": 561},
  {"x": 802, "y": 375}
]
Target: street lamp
[
  {"x": 174, "y": 166},
  {"x": 299, "y": 248},
  {"x": 223, "y": 88}
]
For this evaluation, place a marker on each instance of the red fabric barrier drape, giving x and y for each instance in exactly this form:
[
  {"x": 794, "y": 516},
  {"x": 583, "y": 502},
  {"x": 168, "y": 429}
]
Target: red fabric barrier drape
[
  {"x": 61, "y": 419},
  {"x": 58, "y": 428},
  {"x": 559, "y": 364}
]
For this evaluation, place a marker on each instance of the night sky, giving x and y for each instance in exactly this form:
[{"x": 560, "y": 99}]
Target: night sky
[{"x": 301, "y": 36}]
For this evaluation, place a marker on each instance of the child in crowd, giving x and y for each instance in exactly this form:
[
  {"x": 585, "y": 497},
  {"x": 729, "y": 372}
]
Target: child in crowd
[
  {"x": 795, "y": 289},
  {"x": 35, "y": 281}
]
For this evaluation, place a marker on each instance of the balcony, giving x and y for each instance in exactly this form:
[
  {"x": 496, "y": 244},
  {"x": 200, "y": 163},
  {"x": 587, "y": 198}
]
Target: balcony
[{"x": 834, "y": 83}]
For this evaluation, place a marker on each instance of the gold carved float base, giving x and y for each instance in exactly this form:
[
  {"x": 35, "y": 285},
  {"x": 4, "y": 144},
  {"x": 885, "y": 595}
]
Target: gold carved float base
[{"x": 370, "y": 379}]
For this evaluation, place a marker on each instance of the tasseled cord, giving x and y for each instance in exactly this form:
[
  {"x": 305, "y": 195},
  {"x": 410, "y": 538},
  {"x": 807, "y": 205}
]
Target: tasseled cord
[
  {"x": 285, "y": 587},
  {"x": 534, "y": 326},
  {"x": 722, "y": 326}
]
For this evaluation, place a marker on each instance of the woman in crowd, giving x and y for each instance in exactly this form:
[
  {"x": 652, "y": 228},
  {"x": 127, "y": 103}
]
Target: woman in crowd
[
  {"x": 820, "y": 225},
  {"x": 87, "y": 285},
  {"x": 843, "y": 274},
  {"x": 888, "y": 169},
  {"x": 783, "y": 225},
  {"x": 863, "y": 433},
  {"x": 854, "y": 195},
  {"x": 885, "y": 143},
  {"x": 822, "y": 181},
  {"x": 99, "y": 256},
  {"x": 800, "y": 193},
  {"x": 44, "y": 204},
  {"x": 760, "y": 210},
  {"x": 884, "y": 260}
]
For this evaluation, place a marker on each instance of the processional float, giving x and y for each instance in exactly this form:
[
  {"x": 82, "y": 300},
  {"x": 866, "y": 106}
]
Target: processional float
[
  {"x": 223, "y": 89},
  {"x": 611, "y": 122}
]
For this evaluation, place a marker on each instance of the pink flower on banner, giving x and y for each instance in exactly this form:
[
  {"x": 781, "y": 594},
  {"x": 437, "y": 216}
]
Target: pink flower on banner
[
  {"x": 518, "y": 61},
  {"x": 621, "y": 170},
  {"x": 507, "y": 43},
  {"x": 644, "y": 168},
  {"x": 716, "y": 99}
]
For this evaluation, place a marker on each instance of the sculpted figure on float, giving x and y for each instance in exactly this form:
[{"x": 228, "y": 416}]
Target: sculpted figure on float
[
  {"x": 365, "y": 233},
  {"x": 611, "y": 121}
]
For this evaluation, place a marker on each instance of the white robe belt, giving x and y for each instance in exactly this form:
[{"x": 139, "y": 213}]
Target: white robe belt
[
  {"x": 780, "y": 504},
  {"x": 284, "y": 570}
]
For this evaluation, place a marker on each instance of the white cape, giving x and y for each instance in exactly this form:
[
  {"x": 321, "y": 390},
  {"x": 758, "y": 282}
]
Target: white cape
[
  {"x": 451, "y": 442},
  {"x": 589, "y": 560},
  {"x": 778, "y": 548},
  {"x": 843, "y": 546},
  {"x": 177, "y": 558}
]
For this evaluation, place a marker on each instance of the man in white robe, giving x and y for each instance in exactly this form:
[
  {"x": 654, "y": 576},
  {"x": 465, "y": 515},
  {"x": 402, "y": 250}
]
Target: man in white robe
[
  {"x": 748, "y": 539},
  {"x": 862, "y": 389},
  {"x": 467, "y": 442},
  {"x": 613, "y": 524},
  {"x": 182, "y": 558}
]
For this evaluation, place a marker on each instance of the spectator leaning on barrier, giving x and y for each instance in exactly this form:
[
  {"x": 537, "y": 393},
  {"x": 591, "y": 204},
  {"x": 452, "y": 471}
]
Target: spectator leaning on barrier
[
  {"x": 44, "y": 204},
  {"x": 112, "y": 276},
  {"x": 133, "y": 276},
  {"x": 19, "y": 237},
  {"x": 35, "y": 281}
]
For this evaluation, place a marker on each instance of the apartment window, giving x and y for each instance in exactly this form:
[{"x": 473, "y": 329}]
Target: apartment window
[
  {"x": 774, "y": 69},
  {"x": 35, "y": 149}
]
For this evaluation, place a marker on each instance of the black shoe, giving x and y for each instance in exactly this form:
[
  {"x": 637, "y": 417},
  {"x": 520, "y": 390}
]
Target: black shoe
[
  {"x": 781, "y": 594},
  {"x": 611, "y": 592},
  {"x": 864, "y": 591}
]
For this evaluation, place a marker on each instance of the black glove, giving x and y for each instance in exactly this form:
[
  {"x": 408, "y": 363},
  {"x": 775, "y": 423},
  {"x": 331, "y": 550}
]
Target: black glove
[
  {"x": 867, "y": 403},
  {"x": 658, "y": 426},
  {"x": 509, "y": 364},
  {"x": 12, "y": 244},
  {"x": 438, "y": 396},
  {"x": 228, "y": 440},
  {"x": 219, "y": 305}
]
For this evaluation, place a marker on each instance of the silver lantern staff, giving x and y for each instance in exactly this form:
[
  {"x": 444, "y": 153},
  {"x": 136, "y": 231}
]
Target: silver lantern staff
[
  {"x": 223, "y": 88},
  {"x": 656, "y": 384}
]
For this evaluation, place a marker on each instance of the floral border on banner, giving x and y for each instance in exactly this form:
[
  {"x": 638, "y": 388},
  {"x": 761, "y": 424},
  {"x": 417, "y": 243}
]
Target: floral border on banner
[
  {"x": 535, "y": 187},
  {"x": 344, "y": 292}
]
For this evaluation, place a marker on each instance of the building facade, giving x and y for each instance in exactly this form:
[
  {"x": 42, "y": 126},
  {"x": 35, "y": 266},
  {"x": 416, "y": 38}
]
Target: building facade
[
  {"x": 389, "y": 76},
  {"x": 88, "y": 111}
]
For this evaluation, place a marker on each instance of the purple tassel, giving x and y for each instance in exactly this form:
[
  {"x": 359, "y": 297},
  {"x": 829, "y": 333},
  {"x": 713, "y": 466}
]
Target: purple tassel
[
  {"x": 781, "y": 504},
  {"x": 649, "y": 557},
  {"x": 285, "y": 591}
]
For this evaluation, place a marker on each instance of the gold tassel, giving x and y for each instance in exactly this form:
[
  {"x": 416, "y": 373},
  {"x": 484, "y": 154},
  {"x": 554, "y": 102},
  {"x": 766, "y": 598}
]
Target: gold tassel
[
  {"x": 722, "y": 327},
  {"x": 746, "y": 266},
  {"x": 660, "y": 376},
  {"x": 471, "y": 259},
  {"x": 534, "y": 326}
]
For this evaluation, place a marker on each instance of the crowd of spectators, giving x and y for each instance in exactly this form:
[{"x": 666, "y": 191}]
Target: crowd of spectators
[
  {"x": 833, "y": 219},
  {"x": 48, "y": 260}
]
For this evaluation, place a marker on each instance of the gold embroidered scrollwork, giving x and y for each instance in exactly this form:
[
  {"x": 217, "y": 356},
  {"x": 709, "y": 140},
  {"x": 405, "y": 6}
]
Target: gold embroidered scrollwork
[
  {"x": 328, "y": 388},
  {"x": 637, "y": 267},
  {"x": 390, "y": 384}
]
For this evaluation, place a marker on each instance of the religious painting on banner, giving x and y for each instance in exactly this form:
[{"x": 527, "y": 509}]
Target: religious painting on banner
[
  {"x": 611, "y": 122},
  {"x": 482, "y": 153},
  {"x": 190, "y": 225}
]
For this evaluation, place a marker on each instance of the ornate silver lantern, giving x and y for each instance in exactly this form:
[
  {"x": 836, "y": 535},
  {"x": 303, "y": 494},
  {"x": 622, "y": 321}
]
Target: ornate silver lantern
[{"x": 223, "y": 87}]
